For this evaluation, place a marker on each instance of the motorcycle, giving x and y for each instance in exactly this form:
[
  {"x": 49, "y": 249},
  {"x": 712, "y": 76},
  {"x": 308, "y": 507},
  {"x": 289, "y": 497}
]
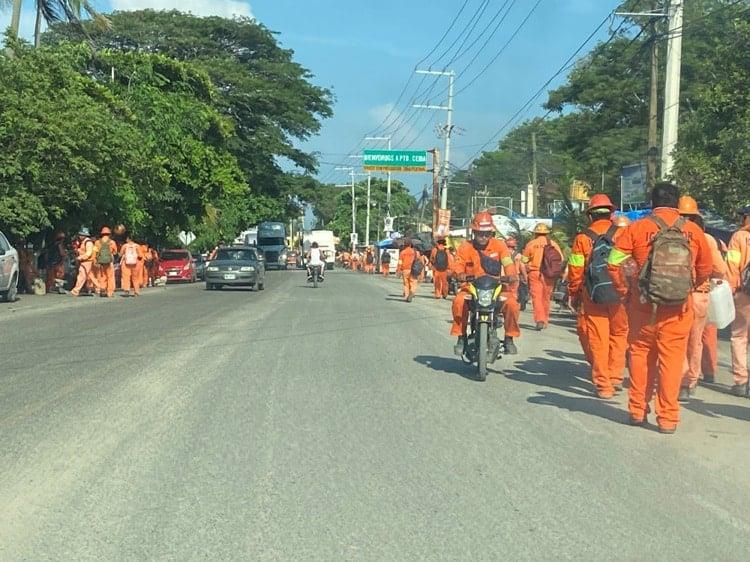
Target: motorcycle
[
  {"x": 314, "y": 275},
  {"x": 482, "y": 346}
]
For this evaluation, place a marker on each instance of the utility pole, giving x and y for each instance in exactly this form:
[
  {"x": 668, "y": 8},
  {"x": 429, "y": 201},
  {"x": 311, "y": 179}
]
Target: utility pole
[
  {"x": 448, "y": 128},
  {"x": 532, "y": 196},
  {"x": 367, "y": 220},
  {"x": 354, "y": 201},
  {"x": 435, "y": 187},
  {"x": 653, "y": 108},
  {"x": 388, "y": 187},
  {"x": 672, "y": 88}
]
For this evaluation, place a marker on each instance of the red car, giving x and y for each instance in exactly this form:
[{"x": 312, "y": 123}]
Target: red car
[{"x": 177, "y": 265}]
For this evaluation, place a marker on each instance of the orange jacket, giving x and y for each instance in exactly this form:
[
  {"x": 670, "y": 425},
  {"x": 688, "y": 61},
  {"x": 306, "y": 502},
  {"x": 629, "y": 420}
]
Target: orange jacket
[
  {"x": 86, "y": 250},
  {"x": 738, "y": 256},
  {"x": 124, "y": 248},
  {"x": 580, "y": 253},
  {"x": 534, "y": 251},
  {"x": 635, "y": 241},
  {"x": 406, "y": 258},
  {"x": 468, "y": 261},
  {"x": 719, "y": 265}
]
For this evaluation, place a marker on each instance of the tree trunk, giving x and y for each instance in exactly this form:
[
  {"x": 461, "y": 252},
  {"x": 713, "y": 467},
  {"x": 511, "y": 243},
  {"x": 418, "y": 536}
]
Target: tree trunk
[
  {"x": 38, "y": 26},
  {"x": 15, "y": 19}
]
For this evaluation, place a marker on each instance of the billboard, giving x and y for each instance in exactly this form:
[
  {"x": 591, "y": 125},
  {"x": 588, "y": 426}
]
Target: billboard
[{"x": 633, "y": 184}]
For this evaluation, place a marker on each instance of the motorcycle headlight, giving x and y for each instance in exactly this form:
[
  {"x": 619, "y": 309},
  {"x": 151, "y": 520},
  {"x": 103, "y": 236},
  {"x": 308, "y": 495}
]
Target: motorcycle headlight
[
  {"x": 484, "y": 298},
  {"x": 213, "y": 268},
  {"x": 247, "y": 268}
]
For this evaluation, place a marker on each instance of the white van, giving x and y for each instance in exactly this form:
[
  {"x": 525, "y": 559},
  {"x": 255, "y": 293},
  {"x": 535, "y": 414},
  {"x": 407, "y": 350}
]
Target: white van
[
  {"x": 326, "y": 242},
  {"x": 8, "y": 270}
]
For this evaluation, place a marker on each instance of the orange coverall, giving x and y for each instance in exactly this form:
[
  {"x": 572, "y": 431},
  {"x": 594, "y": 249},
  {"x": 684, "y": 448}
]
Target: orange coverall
[
  {"x": 710, "y": 338},
  {"x": 658, "y": 342},
  {"x": 85, "y": 267},
  {"x": 738, "y": 259},
  {"x": 468, "y": 262},
  {"x": 406, "y": 258},
  {"x": 130, "y": 274},
  {"x": 106, "y": 273},
  {"x": 440, "y": 278},
  {"x": 540, "y": 287},
  {"x": 692, "y": 364},
  {"x": 385, "y": 268},
  {"x": 604, "y": 330}
]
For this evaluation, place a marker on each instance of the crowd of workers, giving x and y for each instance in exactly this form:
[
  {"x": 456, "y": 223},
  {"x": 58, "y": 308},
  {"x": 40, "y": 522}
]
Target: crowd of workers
[
  {"x": 640, "y": 292},
  {"x": 97, "y": 259}
]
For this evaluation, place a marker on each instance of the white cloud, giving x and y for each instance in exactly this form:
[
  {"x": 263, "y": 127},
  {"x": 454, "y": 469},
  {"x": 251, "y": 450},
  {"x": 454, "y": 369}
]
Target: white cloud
[
  {"x": 380, "y": 113},
  {"x": 224, "y": 8}
]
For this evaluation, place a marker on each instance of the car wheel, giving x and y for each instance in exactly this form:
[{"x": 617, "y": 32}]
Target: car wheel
[{"x": 10, "y": 294}]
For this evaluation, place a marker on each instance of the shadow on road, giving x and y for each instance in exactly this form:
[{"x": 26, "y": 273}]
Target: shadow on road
[
  {"x": 565, "y": 355},
  {"x": 711, "y": 410},
  {"x": 553, "y": 373},
  {"x": 591, "y": 406},
  {"x": 449, "y": 365}
]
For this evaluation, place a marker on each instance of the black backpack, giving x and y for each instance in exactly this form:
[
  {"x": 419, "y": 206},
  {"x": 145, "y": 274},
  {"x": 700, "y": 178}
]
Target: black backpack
[
  {"x": 417, "y": 267},
  {"x": 597, "y": 280},
  {"x": 441, "y": 260},
  {"x": 386, "y": 257}
]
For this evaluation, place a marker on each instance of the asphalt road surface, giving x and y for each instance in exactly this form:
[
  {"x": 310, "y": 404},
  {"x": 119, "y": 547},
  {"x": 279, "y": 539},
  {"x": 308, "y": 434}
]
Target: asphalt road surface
[{"x": 301, "y": 424}]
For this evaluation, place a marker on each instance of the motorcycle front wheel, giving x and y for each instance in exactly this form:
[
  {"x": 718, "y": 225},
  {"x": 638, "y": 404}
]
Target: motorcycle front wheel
[{"x": 481, "y": 343}]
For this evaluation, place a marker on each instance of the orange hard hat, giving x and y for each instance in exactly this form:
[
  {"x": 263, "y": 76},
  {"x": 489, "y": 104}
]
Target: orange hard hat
[
  {"x": 106, "y": 231},
  {"x": 600, "y": 201},
  {"x": 541, "y": 228},
  {"x": 621, "y": 221},
  {"x": 483, "y": 222},
  {"x": 687, "y": 206}
]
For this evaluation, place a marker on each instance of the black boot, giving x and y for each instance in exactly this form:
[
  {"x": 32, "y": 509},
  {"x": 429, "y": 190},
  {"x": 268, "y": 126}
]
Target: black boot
[{"x": 510, "y": 347}]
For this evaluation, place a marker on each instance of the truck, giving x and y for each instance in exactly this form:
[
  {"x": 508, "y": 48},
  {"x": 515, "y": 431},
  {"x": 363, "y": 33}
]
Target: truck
[
  {"x": 272, "y": 241},
  {"x": 326, "y": 242},
  {"x": 248, "y": 237}
]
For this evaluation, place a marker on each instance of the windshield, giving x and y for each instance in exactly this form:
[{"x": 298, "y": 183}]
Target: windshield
[
  {"x": 271, "y": 241},
  {"x": 174, "y": 256},
  {"x": 236, "y": 255}
]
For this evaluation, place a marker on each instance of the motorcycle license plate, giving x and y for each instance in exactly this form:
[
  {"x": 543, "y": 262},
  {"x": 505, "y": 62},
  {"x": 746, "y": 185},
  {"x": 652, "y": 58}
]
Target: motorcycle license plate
[{"x": 230, "y": 276}]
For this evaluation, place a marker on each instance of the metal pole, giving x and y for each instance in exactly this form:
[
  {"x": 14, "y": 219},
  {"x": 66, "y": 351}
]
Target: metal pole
[
  {"x": 448, "y": 132},
  {"x": 354, "y": 208},
  {"x": 672, "y": 88},
  {"x": 388, "y": 189},
  {"x": 367, "y": 222},
  {"x": 653, "y": 109}
]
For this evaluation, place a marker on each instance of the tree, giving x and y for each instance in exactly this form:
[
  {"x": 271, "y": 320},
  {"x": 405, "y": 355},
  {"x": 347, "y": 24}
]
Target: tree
[
  {"x": 53, "y": 11},
  {"x": 268, "y": 96}
]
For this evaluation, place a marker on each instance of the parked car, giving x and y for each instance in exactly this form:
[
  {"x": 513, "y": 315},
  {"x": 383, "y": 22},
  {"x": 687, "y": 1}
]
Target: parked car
[
  {"x": 177, "y": 265},
  {"x": 199, "y": 262},
  {"x": 236, "y": 266},
  {"x": 8, "y": 270}
]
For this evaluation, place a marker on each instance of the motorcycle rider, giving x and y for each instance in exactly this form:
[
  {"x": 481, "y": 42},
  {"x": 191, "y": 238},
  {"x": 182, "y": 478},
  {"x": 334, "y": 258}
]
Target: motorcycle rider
[
  {"x": 484, "y": 255},
  {"x": 314, "y": 258}
]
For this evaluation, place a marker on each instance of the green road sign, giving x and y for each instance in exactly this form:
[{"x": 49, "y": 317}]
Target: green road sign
[{"x": 395, "y": 160}]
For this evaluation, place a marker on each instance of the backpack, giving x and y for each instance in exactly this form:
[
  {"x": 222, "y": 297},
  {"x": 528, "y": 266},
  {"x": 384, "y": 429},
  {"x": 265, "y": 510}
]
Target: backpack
[
  {"x": 386, "y": 257},
  {"x": 596, "y": 277},
  {"x": 417, "y": 267},
  {"x": 104, "y": 255},
  {"x": 441, "y": 260},
  {"x": 667, "y": 275},
  {"x": 131, "y": 254},
  {"x": 369, "y": 259},
  {"x": 551, "y": 266}
]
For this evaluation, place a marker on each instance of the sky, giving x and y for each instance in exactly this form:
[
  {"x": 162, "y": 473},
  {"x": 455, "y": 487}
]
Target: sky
[{"x": 366, "y": 52}]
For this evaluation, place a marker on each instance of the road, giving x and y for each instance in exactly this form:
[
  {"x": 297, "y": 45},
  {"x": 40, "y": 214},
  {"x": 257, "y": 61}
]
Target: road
[{"x": 301, "y": 424}]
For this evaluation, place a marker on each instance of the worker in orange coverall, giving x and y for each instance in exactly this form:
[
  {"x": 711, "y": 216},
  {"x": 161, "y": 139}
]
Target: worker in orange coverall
[
  {"x": 604, "y": 330},
  {"x": 658, "y": 335},
  {"x": 484, "y": 255},
  {"x": 540, "y": 286}
]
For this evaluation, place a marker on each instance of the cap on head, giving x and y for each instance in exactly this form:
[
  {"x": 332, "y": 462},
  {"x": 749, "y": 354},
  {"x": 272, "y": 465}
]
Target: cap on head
[
  {"x": 687, "y": 206},
  {"x": 483, "y": 222},
  {"x": 84, "y": 232},
  {"x": 621, "y": 221},
  {"x": 600, "y": 201},
  {"x": 106, "y": 231},
  {"x": 541, "y": 228}
]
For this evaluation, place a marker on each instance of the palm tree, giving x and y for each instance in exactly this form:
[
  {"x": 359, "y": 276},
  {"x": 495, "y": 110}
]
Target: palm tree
[{"x": 53, "y": 11}]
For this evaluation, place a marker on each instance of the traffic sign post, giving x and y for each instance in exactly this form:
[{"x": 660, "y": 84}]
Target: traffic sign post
[{"x": 395, "y": 160}]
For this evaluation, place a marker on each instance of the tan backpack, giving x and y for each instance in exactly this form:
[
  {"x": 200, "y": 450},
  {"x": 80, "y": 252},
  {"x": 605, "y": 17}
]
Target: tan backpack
[{"x": 667, "y": 276}]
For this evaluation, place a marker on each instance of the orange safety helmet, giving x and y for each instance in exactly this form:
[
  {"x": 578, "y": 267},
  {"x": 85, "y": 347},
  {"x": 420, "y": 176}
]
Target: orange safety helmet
[
  {"x": 483, "y": 222},
  {"x": 687, "y": 206},
  {"x": 621, "y": 221},
  {"x": 600, "y": 201},
  {"x": 106, "y": 231}
]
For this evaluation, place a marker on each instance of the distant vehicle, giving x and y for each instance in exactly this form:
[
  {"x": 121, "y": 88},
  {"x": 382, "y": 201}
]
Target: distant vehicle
[
  {"x": 236, "y": 266},
  {"x": 199, "y": 262},
  {"x": 177, "y": 265},
  {"x": 248, "y": 238},
  {"x": 8, "y": 270},
  {"x": 326, "y": 242},
  {"x": 272, "y": 242}
]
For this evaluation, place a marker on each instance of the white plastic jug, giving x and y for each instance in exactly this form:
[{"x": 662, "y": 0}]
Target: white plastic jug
[{"x": 720, "y": 305}]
